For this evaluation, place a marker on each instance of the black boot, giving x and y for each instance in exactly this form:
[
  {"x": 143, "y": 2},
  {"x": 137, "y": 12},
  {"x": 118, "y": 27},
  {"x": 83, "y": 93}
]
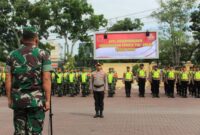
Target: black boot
[
  {"x": 101, "y": 114},
  {"x": 97, "y": 114}
]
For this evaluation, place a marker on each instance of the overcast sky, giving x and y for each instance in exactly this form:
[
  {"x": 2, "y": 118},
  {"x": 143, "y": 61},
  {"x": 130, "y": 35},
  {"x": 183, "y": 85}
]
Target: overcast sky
[{"x": 117, "y": 8}]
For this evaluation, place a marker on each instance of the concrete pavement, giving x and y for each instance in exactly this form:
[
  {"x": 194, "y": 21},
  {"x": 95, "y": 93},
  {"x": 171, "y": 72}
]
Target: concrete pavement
[{"x": 123, "y": 116}]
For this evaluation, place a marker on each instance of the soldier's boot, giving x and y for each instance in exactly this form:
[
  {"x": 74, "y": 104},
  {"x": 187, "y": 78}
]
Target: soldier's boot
[
  {"x": 84, "y": 93},
  {"x": 97, "y": 114},
  {"x": 101, "y": 114},
  {"x": 109, "y": 93}
]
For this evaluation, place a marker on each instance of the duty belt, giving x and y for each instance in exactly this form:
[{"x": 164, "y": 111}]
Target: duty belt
[{"x": 98, "y": 86}]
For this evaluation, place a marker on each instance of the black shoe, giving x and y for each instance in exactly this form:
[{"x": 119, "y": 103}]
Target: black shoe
[
  {"x": 96, "y": 116},
  {"x": 101, "y": 115}
]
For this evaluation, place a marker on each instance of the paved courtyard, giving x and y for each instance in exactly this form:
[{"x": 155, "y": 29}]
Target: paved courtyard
[{"x": 123, "y": 116}]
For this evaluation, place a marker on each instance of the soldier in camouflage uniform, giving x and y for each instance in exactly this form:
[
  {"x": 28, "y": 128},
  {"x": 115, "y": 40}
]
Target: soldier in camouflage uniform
[
  {"x": 77, "y": 82},
  {"x": 65, "y": 82},
  {"x": 111, "y": 82},
  {"x": 84, "y": 79},
  {"x": 72, "y": 80},
  {"x": 115, "y": 79},
  {"x": 59, "y": 83},
  {"x": 28, "y": 84},
  {"x": 53, "y": 83}
]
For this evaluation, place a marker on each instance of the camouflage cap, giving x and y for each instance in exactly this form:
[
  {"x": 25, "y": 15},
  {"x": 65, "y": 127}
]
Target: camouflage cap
[{"x": 30, "y": 29}]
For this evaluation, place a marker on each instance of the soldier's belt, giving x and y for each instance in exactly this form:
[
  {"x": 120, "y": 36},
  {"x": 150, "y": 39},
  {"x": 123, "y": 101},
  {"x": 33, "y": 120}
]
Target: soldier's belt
[
  {"x": 98, "y": 86},
  {"x": 171, "y": 78}
]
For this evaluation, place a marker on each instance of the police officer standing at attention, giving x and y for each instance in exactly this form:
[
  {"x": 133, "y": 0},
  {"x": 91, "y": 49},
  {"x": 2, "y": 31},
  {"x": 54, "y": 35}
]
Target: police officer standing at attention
[
  {"x": 170, "y": 80},
  {"x": 141, "y": 78},
  {"x": 111, "y": 83},
  {"x": 196, "y": 79},
  {"x": 155, "y": 79},
  {"x": 185, "y": 81},
  {"x": 60, "y": 82},
  {"x": 28, "y": 84},
  {"x": 84, "y": 79},
  {"x": 99, "y": 85},
  {"x": 128, "y": 80}
]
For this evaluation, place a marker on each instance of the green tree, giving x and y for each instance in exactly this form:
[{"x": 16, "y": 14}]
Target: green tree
[
  {"x": 195, "y": 20},
  {"x": 127, "y": 25},
  {"x": 14, "y": 15},
  {"x": 195, "y": 27},
  {"x": 174, "y": 18},
  {"x": 85, "y": 55},
  {"x": 72, "y": 20}
]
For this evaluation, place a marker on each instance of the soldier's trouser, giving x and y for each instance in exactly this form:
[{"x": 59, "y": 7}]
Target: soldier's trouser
[
  {"x": 3, "y": 89},
  {"x": 141, "y": 83},
  {"x": 156, "y": 84},
  {"x": 111, "y": 87},
  {"x": 84, "y": 89},
  {"x": 98, "y": 98},
  {"x": 53, "y": 86},
  {"x": 60, "y": 90},
  {"x": 166, "y": 88},
  {"x": 193, "y": 89},
  {"x": 77, "y": 88},
  {"x": 178, "y": 88},
  {"x": 184, "y": 86},
  {"x": 128, "y": 88},
  {"x": 87, "y": 88},
  {"x": 29, "y": 121},
  {"x": 71, "y": 89},
  {"x": 197, "y": 88},
  {"x": 65, "y": 90},
  {"x": 171, "y": 87}
]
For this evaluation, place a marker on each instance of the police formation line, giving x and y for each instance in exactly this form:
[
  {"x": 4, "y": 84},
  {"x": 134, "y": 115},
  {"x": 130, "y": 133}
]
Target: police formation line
[
  {"x": 181, "y": 78},
  {"x": 74, "y": 82}
]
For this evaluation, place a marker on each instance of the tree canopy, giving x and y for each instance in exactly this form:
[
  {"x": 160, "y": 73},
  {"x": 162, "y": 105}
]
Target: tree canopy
[
  {"x": 127, "y": 25},
  {"x": 174, "y": 18},
  {"x": 14, "y": 15}
]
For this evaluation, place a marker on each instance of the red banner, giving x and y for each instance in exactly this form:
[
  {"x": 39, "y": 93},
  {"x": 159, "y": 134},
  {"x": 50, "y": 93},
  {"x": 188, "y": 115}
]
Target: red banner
[{"x": 123, "y": 43}]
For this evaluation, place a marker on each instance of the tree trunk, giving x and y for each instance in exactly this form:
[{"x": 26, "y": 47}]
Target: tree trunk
[
  {"x": 66, "y": 47},
  {"x": 72, "y": 47}
]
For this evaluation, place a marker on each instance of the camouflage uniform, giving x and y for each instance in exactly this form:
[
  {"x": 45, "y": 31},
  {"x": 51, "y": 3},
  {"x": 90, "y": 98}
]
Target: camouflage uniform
[
  {"x": 111, "y": 84},
  {"x": 59, "y": 83},
  {"x": 53, "y": 83},
  {"x": 66, "y": 84},
  {"x": 26, "y": 65},
  {"x": 84, "y": 79},
  {"x": 77, "y": 82},
  {"x": 72, "y": 80}
]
